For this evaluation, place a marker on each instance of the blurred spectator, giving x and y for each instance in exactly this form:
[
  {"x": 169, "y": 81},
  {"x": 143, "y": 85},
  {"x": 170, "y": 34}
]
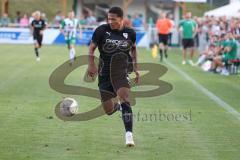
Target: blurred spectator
[
  {"x": 215, "y": 28},
  {"x": 127, "y": 21},
  {"x": 18, "y": 17},
  {"x": 202, "y": 35},
  {"x": 24, "y": 22},
  {"x": 90, "y": 19},
  {"x": 58, "y": 18},
  {"x": 82, "y": 20},
  {"x": 5, "y": 20},
  {"x": 196, "y": 37},
  {"x": 31, "y": 18},
  {"x": 43, "y": 16},
  {"x": 137, "y": 21},
  {"x": 229, "y": 52}
]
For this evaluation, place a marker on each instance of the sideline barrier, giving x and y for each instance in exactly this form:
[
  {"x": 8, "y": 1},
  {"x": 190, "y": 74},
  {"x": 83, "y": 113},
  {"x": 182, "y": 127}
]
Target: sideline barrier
[{"x": 54, "y": 36}]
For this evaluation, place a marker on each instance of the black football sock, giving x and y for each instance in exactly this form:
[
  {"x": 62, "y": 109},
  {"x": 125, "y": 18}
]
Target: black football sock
[
  {"x": 161, "y": 54},
  {"x": 127, "y": 116},
  {"x": 36, "y": 52}
]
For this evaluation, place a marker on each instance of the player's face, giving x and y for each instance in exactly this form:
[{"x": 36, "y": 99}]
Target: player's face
[
  {"x": 71, "y": 15},
  {"x": 163, "y": 15},
  {"x": 37, "y": 16},
  {"x": 230, "y": 36},
  {"x": 114, "y": 21},
  {"x": 188, "y": 15}
]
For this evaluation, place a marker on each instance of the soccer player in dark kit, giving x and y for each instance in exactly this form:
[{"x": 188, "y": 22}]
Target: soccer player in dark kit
[
  {"x": 115, "y": 42},
  {"x": 38, "y": 25}
]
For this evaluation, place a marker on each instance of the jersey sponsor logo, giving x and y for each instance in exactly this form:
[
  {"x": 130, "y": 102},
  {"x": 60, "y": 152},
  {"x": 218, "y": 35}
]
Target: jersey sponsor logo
[
  {"x": 37, "y": 26},
  {"x": 112, "y": 45},
  {"x": 116, "y": 42}
]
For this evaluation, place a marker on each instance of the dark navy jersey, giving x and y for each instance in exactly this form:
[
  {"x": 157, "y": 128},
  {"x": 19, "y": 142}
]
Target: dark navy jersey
[
  {"x": 38, "y": 25},
  {"x": 113, "y": 43}
]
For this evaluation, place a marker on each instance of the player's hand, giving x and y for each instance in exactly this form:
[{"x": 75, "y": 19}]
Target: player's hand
[
  {"x": 92, "y": 70},
  {"x": 137, "y": 77}
]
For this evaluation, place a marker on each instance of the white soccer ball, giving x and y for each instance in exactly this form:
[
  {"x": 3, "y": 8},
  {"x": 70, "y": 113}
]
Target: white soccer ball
[{"x": 68, "y": 107}]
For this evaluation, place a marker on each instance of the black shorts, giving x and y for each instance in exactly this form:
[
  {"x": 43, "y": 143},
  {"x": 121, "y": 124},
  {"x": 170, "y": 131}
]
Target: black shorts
[
  {"x": 187, "y": 43},
  {"x": 108, "y": 86},
  {"x": 38, "y": 39},
  {"x": 113, "y": 75},
  {"x": 163, "y": 38}
]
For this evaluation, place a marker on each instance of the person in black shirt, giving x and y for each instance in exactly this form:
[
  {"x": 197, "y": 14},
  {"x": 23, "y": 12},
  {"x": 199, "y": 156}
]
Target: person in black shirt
[
  {"x": 37, "y": 27},
  {"x": 115, "y": 41}
]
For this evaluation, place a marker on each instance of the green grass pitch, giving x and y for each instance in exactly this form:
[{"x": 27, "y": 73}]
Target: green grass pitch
[{"x": 27, "y": 131}]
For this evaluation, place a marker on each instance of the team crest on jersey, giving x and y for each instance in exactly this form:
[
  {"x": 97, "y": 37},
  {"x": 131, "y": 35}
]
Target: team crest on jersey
[{"x": 125, "y": 35}]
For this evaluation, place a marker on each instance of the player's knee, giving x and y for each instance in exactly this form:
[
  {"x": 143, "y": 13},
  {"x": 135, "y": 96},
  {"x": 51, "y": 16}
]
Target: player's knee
[
  {"x": 108, "y": 112},
  {"x": 108, "y": 107},
  {"x": 124, "y": 97},
  {"x": 123, "y": 94}
]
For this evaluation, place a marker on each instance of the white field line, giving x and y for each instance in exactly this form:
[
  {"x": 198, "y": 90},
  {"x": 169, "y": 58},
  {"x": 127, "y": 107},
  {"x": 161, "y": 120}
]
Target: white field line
[{"x": 212, "y": 96}]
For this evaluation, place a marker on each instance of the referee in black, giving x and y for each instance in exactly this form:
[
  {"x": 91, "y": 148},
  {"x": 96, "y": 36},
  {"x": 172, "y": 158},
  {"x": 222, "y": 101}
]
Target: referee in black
[
  {"x": 118, "y": 57},
  {"x": 38, "y": 25}
]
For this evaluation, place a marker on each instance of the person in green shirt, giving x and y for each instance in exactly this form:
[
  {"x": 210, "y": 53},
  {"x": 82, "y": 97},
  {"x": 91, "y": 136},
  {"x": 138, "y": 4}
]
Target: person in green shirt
[
  {"x": 189, "y": 29},
  {"x": 230, "y": 48},
  {"x": 69, "y": 28},
  {"x": 231, "y": 51}
]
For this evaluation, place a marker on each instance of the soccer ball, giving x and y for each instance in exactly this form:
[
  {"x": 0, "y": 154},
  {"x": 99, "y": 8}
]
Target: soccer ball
[{"x": 68, "y": 107}]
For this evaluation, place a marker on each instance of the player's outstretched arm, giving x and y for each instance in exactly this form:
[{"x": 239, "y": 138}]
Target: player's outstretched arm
[
  {"x": 92, "y": 69},
  {"x": 135, "y": 64}
]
